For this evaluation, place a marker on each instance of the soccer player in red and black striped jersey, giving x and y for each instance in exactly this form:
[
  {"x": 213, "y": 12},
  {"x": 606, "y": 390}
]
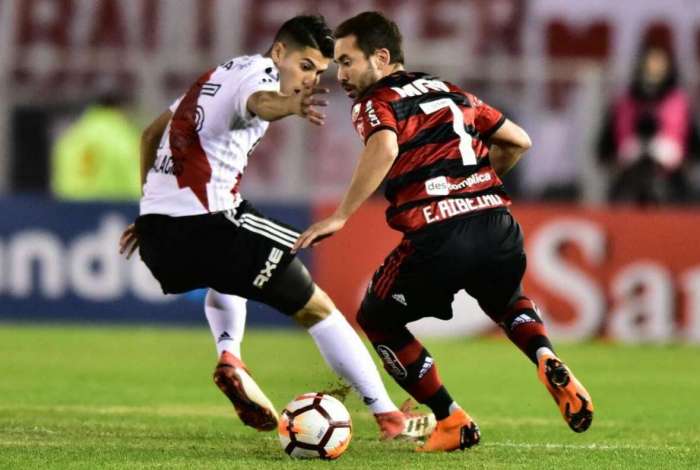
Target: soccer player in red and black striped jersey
[{"x": 442, "y": 152}]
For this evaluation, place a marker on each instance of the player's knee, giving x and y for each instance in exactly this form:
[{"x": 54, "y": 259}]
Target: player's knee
[
  {"x": 225, "y": 302},
  {"x": 366, "y": 317},
  {"x": 316, "y": 309},
  {"x": 213, "y": 299},
  {"x": 377, "y": 325},
  {"x": 363, "y": 320}
]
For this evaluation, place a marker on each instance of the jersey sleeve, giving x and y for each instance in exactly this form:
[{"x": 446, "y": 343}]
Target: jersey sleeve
[
  {"x": 176, "y": 103},
  {"x": 260, "y": 76},
  {"x": 487, "y": 119},
  {"x": 371, "y": 115}
]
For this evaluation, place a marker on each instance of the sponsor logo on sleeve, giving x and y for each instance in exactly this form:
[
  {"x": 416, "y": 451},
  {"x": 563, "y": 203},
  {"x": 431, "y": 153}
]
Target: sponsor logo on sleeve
[{"x": 371, "y": 114}]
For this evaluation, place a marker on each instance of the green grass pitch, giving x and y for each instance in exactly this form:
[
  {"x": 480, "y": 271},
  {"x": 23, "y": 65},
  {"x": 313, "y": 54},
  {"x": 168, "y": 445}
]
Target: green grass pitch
[{"x": 128, "y": 397}]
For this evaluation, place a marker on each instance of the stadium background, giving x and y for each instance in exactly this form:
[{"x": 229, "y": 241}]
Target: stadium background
[{"x": 622, "y": 272}]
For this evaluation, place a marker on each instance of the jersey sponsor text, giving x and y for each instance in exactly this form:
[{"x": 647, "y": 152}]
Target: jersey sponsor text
[{"x": 448, "y": 208}]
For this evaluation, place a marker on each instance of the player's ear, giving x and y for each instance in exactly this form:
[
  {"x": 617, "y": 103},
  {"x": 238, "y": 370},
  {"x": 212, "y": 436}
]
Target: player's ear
[
  {"x": 277, "y": 51},
  {"x": 383, "y": 56}
]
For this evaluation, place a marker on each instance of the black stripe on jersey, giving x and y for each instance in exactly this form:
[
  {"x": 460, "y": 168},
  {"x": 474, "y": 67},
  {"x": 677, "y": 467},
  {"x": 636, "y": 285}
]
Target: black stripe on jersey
[
  {"x": 439, "y": 134},
  {"x": 494, "y": 128},
  {"x": 407, "y": 107},
  {"x": 454, "y": 168},
  {"x": 393, "y": 211},
  {"x": 380, "y": 127}
]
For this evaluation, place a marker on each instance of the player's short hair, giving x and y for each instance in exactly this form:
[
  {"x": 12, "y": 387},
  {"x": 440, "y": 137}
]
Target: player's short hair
[
  {"x": 307, "y": 31},
  {"x": 373, "y": 31}
]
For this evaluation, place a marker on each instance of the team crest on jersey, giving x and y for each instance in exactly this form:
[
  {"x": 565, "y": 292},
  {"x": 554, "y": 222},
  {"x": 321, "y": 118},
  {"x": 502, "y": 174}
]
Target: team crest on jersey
[{"x": 356, "y": 111}]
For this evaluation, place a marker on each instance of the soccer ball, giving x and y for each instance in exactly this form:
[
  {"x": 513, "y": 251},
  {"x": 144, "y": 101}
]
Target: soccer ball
[{"x": 315, "y": 425}]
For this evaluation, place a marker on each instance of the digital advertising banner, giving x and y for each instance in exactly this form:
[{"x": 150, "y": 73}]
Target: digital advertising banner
[
  {"x": 624, "y": 274},
  {"x": 60, "y": 262}
]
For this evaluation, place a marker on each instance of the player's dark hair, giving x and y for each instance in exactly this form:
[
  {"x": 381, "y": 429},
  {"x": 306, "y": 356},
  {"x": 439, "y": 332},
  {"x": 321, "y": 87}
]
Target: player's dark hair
[
  {"x": 307, "y": 31},
  {"x": 373, "y": 31}
]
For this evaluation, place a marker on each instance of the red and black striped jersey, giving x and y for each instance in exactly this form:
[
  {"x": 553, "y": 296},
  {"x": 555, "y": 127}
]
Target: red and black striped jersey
[{"x": 442, "y": 169}]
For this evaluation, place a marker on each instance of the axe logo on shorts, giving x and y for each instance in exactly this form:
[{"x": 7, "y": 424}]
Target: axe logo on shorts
[{"x": 273, "y": 260}]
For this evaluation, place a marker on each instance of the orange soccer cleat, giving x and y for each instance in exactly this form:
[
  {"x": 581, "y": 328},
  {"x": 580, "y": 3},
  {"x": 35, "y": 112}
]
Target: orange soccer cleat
[
  {"x": 457, "y": 431},
  {"x": 574, "y": 401},
  {"x": 251, "y": 404}
]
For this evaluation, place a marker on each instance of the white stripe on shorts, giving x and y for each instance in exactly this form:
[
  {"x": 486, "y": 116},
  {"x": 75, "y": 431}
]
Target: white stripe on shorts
[
  {"x": 266, "y": 234},
  {"x": 276, "y": 227},
  {"x": 269, "y": 230}
]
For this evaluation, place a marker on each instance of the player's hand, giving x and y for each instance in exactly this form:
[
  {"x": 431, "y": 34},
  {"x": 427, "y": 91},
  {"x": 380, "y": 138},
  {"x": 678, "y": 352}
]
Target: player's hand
[
  {"x": 306, "y": 101},
  {"x": 318, "y": 232},
  {"x": 129, "y": 241}
]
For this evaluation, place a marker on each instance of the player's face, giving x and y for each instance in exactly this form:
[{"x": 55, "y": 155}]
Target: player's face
[
  {"x": 300, "y": 68},
  {"x": 355, "y": 71},
  {"x": 656, "y": 66}
]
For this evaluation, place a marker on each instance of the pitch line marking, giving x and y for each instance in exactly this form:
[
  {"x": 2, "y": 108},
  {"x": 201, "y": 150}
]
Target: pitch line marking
[{"x": 594, "y": 446}]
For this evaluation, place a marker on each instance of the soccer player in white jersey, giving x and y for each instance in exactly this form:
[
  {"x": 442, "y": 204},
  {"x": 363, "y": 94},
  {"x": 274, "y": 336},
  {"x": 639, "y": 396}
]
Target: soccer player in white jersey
[{"x": 195, "y": 230}]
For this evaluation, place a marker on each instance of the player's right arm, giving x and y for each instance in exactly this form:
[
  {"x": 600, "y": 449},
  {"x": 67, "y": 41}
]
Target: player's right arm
[
  {"x": 150, "y": 138},
  {"x": 508, "y": 144},
  {"x": 273, "y": 105}
]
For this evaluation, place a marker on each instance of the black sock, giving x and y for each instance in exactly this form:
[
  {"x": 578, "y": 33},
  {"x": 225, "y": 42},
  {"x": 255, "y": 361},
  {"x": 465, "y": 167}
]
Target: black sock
[{"x": 440, "y": 403}]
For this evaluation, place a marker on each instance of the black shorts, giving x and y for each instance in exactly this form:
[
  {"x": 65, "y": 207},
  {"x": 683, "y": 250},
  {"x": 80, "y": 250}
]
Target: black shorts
[
  {"x": 237, "y": 252},
  {"x": 482, "y": 254}
]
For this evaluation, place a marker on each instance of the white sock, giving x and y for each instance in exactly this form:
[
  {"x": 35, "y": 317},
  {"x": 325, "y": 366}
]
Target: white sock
[
  {"x": 344, "y": 351},
  {"x": 544, "y": 351},
  {"x": 226, "y": 316},
  {"x": 454, "y": 407}
]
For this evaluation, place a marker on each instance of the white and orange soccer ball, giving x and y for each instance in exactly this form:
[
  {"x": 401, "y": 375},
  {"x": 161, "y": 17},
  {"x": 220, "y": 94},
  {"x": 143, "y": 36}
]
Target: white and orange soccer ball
[{"x": 315, "y": 425}]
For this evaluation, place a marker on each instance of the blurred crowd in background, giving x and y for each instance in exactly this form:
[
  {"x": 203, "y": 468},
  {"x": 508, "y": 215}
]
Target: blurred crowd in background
[
  {"x": 607, "y": 196},
  {"x": 607, "y": 91}
]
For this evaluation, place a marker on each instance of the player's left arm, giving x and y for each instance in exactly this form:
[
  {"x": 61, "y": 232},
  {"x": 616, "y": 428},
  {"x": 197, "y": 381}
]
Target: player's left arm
[
  {"x": 507, "y": 141},
  {"x": 508, "y": 144},
  {"x": 374, "y": 164}
]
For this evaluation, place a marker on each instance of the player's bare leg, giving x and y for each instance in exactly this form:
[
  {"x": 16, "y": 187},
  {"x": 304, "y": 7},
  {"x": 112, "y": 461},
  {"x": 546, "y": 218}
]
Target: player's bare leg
[
  {"x": 525, "y": 329},
  {"x": 226, "y": 315},
  {"x": 344, "y": 351}
]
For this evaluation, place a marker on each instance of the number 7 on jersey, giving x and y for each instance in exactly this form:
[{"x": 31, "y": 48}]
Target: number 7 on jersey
[{"x": 465, "y": 140}]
